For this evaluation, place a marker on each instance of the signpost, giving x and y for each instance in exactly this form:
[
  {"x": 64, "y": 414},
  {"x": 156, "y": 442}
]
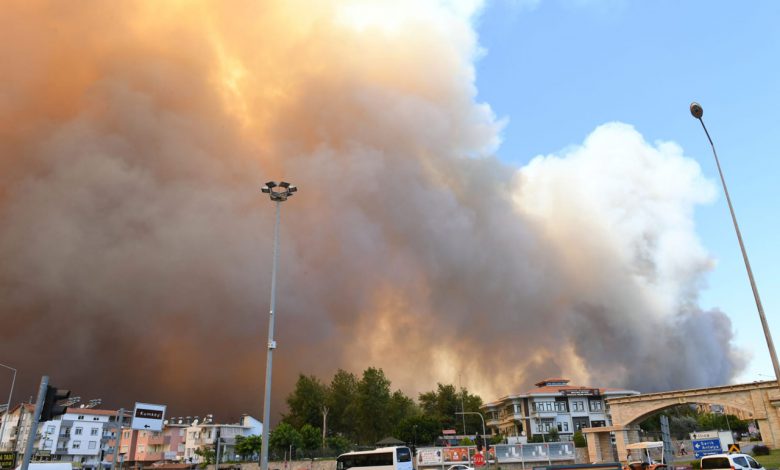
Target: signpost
[
  {"x": 148, "y": 417},
  {"x": 702, "y": 447},
  {"x": 7, "y": 460}
]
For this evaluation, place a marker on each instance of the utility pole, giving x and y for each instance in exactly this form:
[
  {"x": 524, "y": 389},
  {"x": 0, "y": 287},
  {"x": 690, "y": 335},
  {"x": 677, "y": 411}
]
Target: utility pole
[
  {"x": 34, "y": 422},
  {"x": 117, "y": 437},
  {"x": 462, "y": 407}
]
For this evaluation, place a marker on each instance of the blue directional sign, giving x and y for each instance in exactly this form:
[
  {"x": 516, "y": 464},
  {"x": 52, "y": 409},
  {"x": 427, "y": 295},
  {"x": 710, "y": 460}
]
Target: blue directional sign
[{"x": 702, "y": 447}]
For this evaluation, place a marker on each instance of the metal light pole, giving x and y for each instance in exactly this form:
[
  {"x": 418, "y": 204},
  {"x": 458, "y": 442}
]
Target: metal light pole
[
  {"x": 484, "y": 436},
  {"x": 698, "y": 112},
  {"x": 120, "y": 416},
  {"x": 278, "y": 193},
  {"x": 7, "y": 406}
]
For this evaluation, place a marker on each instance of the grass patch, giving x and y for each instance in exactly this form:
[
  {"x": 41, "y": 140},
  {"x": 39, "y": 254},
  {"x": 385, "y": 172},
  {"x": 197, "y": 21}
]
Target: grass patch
[{"x": 770, "y": 461}]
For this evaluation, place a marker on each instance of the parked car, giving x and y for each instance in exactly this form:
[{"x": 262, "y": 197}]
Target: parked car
[
  {"x": 730, "y": 462},
  {"x": 460, "y": 466}
]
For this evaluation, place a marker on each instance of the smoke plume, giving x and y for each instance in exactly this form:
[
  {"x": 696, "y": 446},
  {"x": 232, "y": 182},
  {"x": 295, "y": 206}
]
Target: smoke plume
[{"x": 136, "y": 246}]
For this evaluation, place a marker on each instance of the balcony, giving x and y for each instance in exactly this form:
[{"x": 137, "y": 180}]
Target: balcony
[
  {"x": 149, "y": 456},
  {"x": 155, "y": 440}
]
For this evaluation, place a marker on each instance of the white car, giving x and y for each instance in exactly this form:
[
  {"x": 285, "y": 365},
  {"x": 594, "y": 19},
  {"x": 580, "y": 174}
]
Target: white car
[
  {"x": 730, "y": 462},
  {"x": 460, "y": 466}
]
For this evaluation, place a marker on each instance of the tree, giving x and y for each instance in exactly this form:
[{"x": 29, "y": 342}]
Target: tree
[
  {"x": 579, "y": 440},
  {"x": 443, "y": 404},
  {"x": 399, "y": 408},
  {"x": 207, "y": 455},
  {"x": 311, "y": 437},
  {"x": 283, "y": 437},
  {"x": 248, "y": 446},
  {"x": 418, "y": 429},
  {"x": 305, "y": 402},
  {"x": 553, "y": 435},
  {"x": 338, "y": 443},
  {"x": 372, "y": 400},
  {"x": 340, "y": 400}
]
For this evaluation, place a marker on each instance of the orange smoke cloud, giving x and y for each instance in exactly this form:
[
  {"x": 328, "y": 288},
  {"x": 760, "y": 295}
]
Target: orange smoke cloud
[{"x": 134, "y": 139}]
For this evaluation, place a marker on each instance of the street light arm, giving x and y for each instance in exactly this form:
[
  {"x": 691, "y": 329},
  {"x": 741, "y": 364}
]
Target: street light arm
[{"x": 697, "y": 112}]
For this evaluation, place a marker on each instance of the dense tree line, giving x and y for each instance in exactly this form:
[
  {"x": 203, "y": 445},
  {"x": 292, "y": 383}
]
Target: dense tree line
[{"x": 365, "y": 410}]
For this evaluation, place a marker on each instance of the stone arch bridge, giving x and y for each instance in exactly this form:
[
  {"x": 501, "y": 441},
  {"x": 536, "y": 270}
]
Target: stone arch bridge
[{"x": 757, "y": 400}]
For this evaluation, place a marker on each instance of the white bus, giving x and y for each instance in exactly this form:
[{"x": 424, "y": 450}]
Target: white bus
[{"x": 385, "y": 458}]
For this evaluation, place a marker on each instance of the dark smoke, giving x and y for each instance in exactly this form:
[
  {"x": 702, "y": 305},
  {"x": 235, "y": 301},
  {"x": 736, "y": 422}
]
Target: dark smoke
[{"x": 136, "y": 246}]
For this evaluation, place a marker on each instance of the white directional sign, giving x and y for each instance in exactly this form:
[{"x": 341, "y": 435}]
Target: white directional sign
[{"x": 148, "y": 417}]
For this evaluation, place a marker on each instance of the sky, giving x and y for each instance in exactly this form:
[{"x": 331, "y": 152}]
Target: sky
[
  {"x": 556, "y": 69},
  {"x": 511, "y": 190}
]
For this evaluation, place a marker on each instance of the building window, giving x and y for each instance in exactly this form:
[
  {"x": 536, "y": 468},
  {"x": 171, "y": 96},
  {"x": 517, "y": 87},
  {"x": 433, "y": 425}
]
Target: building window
[
  {"x": 50, "y": 429},
  {"x": 77, "y": 444},
  {"x": 595, "y": 406},
  {"x": 92, "y": 444},
  {"x": 565, "y": 427},
  {"x": 81, "y": 417},
  {"x": 560, "y": 427},
  {"x": 77, "y": 431},
  {"x": 560, "y": 406},
  {"x": 578, "y": 406},
  {"x": 140, "y": 448},
  {"x": 94, "y": 431}
]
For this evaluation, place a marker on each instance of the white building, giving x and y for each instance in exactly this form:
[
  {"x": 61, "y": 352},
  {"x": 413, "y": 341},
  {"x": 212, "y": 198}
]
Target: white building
[
  {"x": 15, "y": 427},
  {"x": 203, "y": 435},
  {"x": 553, "y": 404},
  {"x": 78, "y": 436}
]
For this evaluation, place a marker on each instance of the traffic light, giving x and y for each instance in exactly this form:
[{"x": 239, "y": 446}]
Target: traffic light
[
  {"x": 50, "y": 407},
  {"x": 479, "y": 442}
]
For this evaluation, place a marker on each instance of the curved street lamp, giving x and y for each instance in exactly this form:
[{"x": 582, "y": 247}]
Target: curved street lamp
[
  {"x": 278, "y": 192},
  {"x": 697, "y": 111}
]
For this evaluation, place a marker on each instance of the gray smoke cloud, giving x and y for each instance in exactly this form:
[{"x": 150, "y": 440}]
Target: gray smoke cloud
[{"x": 136, "y": 247}]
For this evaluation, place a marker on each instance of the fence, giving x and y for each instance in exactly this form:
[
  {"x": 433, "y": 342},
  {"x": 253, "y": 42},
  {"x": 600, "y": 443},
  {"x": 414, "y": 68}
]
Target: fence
[{"x": 498, "y": 454}]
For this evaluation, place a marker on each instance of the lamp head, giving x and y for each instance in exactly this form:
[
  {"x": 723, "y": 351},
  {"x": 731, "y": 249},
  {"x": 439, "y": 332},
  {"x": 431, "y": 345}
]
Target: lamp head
[
  {"x": 279, "y": 191},
  {"x": 696, "y": 110}
]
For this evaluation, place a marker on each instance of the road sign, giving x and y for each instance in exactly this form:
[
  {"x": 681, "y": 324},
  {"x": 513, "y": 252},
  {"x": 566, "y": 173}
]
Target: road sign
[
  {"x": 702, "y": 447},
  {"x": 7, "y": 460},
  {"x": 734, "y": 449},
  {"x": 479, "y": 460},
  {"x": 148, "y": 417}
]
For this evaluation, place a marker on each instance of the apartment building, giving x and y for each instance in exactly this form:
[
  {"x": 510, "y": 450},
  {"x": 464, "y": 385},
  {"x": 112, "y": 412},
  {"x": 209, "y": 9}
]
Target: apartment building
[
  {"x": 15, "y": 427},
  {"x": 204, "y": 435},
  {"x": 553, "y": 404},
  {"x": 79, "y": 436},
  {"x": 143, "y": 448}
]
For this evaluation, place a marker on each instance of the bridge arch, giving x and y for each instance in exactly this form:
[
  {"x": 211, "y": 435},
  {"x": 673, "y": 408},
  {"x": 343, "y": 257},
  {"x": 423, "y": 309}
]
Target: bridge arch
[
  {"x": 758, "y": 400},
  {"x": 636, "y": 420}
]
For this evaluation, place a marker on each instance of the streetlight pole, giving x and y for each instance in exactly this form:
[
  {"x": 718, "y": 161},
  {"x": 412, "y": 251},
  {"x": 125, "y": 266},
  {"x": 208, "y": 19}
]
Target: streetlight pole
[
  {"x": 278, "y": 192},
  {"x": 484, "y": 436},
  {"x": 8, "y": 405},
  {"x": 698, "y": 112}
]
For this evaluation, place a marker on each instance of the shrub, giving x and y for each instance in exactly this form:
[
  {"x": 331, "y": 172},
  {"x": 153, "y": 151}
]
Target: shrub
[
  {"x": 696, "y": 464},
  {"x": 760, "y": 450},
  {"x": 579, "y": 440}
]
